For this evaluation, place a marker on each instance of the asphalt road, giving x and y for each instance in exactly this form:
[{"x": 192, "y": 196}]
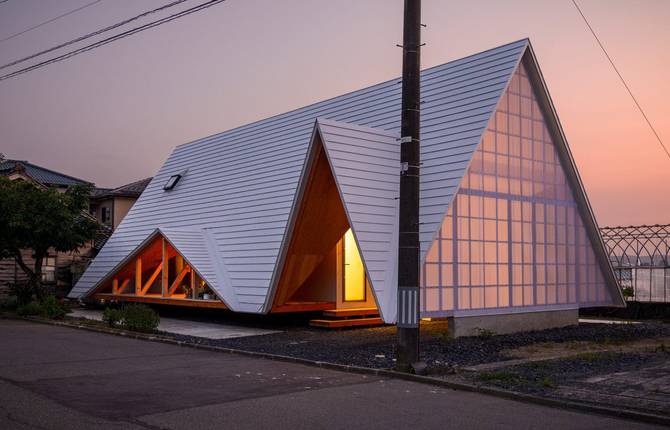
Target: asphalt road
[{"x": 61, "y": 378}]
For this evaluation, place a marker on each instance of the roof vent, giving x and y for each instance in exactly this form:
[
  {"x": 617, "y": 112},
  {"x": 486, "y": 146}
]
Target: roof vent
[{"x": 172, "y": 182}]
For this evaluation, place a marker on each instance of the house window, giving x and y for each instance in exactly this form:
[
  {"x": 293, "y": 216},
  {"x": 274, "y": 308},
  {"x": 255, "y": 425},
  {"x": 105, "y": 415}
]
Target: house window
[
  {"x": 172, "y": 182},
  {"x": 106, "y": 215},
  {"x": 49, "y": 269}
]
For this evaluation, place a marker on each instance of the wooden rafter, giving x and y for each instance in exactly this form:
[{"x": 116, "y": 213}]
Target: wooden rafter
[
  {"x": 138, "y": 276},
  {"x": 194, "y": 294},
  {"x": 151, "y": 279},
  {"x": 123, "y": 286},
  {"x": 178, "y": 280},
  {"x": 164, "y": 278}
]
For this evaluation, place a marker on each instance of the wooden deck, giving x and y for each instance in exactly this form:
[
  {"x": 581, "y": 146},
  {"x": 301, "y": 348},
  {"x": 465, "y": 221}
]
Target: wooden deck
[
  {"x": 160, "y": 300},
  {"x": 303, "y": 307},
  {"x": 353, "y": 312}
]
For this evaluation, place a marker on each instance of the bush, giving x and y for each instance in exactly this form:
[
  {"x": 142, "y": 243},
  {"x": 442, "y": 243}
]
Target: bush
[
  {"x": 52, "y": 308},
  {"x": 112, "y": 317},
  {"x": 9, "y": 304},
  {"x": 140, "y": 318},
  {"x": 30, "y": 309},
  {"x": 23, "y": 292}
]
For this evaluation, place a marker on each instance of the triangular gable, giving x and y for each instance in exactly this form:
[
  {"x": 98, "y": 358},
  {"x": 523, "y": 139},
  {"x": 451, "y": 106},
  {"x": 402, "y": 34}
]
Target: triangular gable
[
  {"x": 366, "y": 165},
  {"x": 194, "y": 246},
  {"x": 587, "y": 263}
]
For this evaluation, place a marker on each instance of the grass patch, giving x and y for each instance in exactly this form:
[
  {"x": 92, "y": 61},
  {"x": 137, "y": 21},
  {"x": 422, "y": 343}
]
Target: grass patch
[{"x": 548, "y": 382}]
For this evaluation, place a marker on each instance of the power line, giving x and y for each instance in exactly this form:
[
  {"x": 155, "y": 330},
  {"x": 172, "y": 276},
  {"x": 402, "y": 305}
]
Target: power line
[
  {"x": 95, "y": 33},
  {"x": 623, "y": 81},
  {"x": 48, "y": 21},
  {"x": 113, "y": 38}
]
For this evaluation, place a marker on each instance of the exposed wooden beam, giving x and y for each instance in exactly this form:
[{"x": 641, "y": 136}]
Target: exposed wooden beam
[
  {"x": 138, "y": 276},
  {"x": 115, "y": 286},
  {"x": 123, "y": 286},
  {"x": 161, "y": 300},
  {"x": 164, "y": 277},
  {"x": 152, "y": 278},
  {"x": 194, "y": 294},
  {"x": 178, "y": 280}
]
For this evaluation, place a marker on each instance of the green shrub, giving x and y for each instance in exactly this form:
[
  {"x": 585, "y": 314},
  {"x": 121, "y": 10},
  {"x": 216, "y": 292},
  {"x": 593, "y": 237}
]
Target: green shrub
[
  {"x": 112, "y": 316},
  {"x": 52, "y": 308},
  {"x": 32, "y": 308},
  {"x": 140, "y": 318},
  {"x": 548, "y": 382},
  {"x": 23, "y": 292},
  {"x": 9, "y": 304}
]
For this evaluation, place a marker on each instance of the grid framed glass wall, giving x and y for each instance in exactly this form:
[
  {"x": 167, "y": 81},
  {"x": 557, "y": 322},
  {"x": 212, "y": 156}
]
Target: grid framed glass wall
[{"x": 512, "y": 236}]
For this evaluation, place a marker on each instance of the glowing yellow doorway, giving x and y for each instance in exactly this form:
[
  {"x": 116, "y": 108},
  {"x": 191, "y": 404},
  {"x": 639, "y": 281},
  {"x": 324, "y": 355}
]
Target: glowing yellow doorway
[{"x": 354, "y": 272}]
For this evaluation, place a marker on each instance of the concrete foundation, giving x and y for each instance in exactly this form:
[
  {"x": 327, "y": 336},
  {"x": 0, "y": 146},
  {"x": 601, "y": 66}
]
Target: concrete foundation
[{"x": 511, "y": 323}]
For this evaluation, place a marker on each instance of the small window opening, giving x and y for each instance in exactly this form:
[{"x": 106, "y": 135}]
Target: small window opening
[{"x": 170, "y": 184}]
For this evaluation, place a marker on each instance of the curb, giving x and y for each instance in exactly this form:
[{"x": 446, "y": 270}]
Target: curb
[{"x": 427, "y": 380}]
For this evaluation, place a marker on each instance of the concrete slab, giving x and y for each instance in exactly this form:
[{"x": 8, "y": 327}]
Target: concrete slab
[
  {"x": 187, "y": 327},
  {"x": 606, "y": 321}
]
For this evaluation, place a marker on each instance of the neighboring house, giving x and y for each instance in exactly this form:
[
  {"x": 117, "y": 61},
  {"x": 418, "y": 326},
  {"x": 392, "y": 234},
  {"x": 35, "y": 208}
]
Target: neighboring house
[
  {"x": 59, "y": 268},
  {"x": 23, "y": 170},
  {"x": 110, "y": 205},
  {"x": 299, "y": 211}
]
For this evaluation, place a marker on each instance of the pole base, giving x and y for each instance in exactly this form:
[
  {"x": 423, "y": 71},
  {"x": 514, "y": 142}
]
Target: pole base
[{"x": 416, "y": 368}]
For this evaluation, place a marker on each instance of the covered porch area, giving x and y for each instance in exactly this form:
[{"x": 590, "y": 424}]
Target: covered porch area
[
  {"x": 323, "y": 269},
  {"x": 158, "y": 273}
]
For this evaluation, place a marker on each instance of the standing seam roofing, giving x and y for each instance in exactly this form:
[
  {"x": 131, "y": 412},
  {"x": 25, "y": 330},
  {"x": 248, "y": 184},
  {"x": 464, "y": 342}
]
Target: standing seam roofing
[{"x": 240, "y": 185}]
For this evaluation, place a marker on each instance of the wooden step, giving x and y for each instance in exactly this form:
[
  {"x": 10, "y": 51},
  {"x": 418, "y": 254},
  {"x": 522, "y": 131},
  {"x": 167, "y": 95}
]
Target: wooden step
[
  {"x": 354, "y": 322},
  {"x": 352, "y": 312}
]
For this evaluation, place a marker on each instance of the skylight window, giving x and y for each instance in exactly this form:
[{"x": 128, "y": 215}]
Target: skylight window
[{"x": 172, "y": 182}]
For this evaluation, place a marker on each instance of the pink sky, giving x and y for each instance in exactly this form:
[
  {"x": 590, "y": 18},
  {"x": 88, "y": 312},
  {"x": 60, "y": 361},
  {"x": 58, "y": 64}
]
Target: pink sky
[{"x": 113, "y": 115}]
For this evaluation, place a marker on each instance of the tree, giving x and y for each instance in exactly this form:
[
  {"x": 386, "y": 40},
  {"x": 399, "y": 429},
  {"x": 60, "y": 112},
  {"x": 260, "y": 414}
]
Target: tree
[{"x": 40, "y": 219}]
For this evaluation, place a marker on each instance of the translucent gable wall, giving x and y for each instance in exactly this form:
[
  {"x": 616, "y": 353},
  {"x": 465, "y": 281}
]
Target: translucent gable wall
[{"x": 513, "y": 237}]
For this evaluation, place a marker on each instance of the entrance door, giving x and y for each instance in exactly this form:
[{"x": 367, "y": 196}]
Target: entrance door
[{"x": 354, "y": 272}]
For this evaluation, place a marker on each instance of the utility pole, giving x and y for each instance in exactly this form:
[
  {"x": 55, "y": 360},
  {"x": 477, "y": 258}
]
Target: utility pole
[{"x": 408, "y": 238}]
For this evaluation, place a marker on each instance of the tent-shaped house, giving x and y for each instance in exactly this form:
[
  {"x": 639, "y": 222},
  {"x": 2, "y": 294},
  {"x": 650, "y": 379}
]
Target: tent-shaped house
[{"x": 299, "y": 212}]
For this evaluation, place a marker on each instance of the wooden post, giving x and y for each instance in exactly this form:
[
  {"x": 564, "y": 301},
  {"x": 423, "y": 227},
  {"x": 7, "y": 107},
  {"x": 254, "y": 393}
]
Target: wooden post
[
  {"x": 193, "y": 293},
  {"x": 115, "y": 286},
  {"x": 138, "y": 276},
  {"x": 164, "y": 277}
]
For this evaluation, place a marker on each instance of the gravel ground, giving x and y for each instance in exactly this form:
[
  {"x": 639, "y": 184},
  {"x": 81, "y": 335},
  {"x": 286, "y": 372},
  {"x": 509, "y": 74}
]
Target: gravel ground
[
  {"x": 374, "y": 347},
  {"x": 541, "y": 377}
]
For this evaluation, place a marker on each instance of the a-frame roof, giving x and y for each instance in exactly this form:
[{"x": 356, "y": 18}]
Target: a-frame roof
[
  {"x": 365, "y": 165},
  {"x": 240, "y": 185}
]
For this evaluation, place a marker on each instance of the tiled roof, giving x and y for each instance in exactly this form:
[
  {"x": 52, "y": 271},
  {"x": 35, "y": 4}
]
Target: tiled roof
[
  {"x": 134, "y": 189},
  {"x": 41, "y": 174}
]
